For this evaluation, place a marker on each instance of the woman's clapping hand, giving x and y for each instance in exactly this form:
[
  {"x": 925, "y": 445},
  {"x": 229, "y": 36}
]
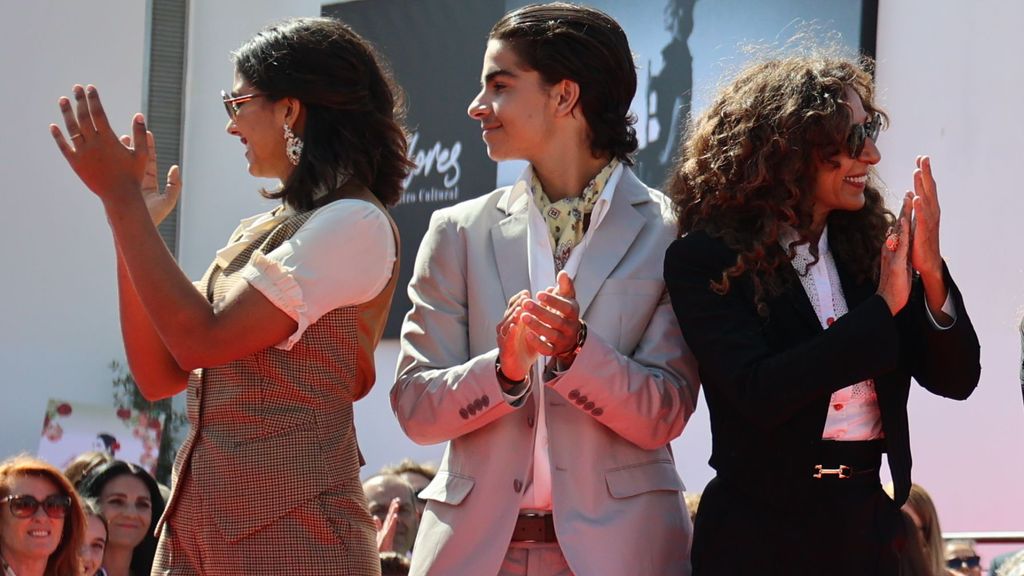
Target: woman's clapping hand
[{"x": 106, "y": 166}]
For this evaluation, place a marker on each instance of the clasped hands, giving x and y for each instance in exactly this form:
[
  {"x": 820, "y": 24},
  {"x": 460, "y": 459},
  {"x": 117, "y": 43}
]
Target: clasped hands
[
  {"x": 915, "y": 246},
  {"x": 547, "y": 324}
]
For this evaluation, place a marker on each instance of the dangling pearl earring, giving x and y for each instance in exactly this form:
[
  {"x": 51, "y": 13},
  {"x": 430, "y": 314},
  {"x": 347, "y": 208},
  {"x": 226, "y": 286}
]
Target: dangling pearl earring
[{"x": 292, "y": 145}]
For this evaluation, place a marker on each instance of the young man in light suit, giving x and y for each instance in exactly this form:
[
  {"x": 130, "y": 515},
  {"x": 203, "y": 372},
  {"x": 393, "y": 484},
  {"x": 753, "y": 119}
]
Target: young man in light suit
[{"x": 541, "y": 344}]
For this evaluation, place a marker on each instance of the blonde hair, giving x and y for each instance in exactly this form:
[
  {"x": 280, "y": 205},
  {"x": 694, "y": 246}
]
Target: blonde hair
[
  {"x": 85, "y": 463},
  {"x": 931, "y": 531}
]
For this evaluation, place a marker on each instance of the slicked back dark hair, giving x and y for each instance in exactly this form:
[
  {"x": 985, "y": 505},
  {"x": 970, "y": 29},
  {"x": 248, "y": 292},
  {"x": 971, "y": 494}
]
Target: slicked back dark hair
[
  {"x": 565, "y": 41},
  {"x": 354, "y": 111}
]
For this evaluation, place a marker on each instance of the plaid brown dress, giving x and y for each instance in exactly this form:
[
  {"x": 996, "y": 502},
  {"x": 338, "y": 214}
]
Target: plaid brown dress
[{"x": 267, "y": 481}]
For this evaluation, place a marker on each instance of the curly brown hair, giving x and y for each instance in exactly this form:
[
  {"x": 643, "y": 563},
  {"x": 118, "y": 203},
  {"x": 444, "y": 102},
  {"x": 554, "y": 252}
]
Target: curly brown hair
[{"x": 746, "y": 169}]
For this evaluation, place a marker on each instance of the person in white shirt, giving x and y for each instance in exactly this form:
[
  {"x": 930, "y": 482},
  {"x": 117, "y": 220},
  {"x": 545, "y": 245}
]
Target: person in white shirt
[
  {"x": 809, "y": 307},
  {"x": 276, "y": 341},
  {"x": 541, "y": 344}
]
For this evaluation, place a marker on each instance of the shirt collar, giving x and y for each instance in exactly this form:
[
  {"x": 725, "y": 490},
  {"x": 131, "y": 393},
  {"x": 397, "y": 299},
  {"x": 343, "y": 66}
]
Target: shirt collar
[
  {"x": 788, "y": 236},
  {"x": 250, "y": 229},
  {"x": 519, "y": 196}
]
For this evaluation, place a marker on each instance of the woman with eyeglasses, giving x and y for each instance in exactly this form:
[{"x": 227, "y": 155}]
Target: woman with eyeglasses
[
  {"x": 962, "y": 559},
  {"x": 276, "y": 341},
  {"x": 41, "y": 521},
  {"x": 130, "y": 500},
  {"x": 809, "y": 307}
]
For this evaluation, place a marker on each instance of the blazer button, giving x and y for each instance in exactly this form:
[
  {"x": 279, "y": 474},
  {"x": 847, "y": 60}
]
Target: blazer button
[
  {"x": 478, "y": 404},
  {"x": 517, "y": 486},
  {"x": 486, "y": 401},
  {"x": 463, "y": 413},
  {"x": 471, "y": 409},
  {"x": 581, "y": 400},
  {"x": 574, "y": 394},
  {"x": 597, "y": 411},
  {"x": 529, "y": 421},
  {"x": 588, "y": 406}
]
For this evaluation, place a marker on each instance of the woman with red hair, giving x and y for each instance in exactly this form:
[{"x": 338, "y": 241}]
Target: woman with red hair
[{"x": 41, "y": 520}]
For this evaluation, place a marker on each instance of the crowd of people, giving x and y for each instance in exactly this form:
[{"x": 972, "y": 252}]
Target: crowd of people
[
  {"x": 96, "y": 518},
  {"x": 560, "y": 328}
]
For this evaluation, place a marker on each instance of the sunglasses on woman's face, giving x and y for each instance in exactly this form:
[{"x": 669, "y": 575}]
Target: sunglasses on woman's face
[
  {"x": 961, "y": 562},
  {"x": 859, "y": 133},
  {"x": 55, "y": 506},
  {"x": 232, "y": 104}
]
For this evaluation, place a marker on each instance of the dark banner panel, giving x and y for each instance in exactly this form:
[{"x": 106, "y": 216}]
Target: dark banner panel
[{"x": 435, "y": 49}]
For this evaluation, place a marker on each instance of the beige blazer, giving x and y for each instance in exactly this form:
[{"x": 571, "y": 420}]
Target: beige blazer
[{"x": 617, "y": 499}]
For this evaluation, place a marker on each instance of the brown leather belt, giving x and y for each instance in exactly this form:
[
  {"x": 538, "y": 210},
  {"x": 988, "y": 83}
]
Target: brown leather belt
[{"x": 534, "y": 528}]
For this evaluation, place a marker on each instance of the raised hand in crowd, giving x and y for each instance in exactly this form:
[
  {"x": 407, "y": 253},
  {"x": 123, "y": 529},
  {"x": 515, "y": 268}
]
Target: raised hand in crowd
[{"x": 386, "y": 528}]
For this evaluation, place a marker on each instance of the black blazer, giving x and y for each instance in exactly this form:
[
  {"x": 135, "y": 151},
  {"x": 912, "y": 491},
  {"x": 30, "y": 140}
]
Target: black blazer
[{"x": 768, "y": 381}]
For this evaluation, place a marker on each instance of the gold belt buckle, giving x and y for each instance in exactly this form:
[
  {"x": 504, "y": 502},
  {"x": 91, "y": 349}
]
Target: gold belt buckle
[{"x": 842, "y": 472}]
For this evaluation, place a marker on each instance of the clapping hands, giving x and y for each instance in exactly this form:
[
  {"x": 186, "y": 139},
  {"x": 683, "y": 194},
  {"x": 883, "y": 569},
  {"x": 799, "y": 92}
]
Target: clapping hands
[
  {"x": 114, "y": 168},
  {"x": 547, "y": 325},
  {"x": 913, "y": 245}
]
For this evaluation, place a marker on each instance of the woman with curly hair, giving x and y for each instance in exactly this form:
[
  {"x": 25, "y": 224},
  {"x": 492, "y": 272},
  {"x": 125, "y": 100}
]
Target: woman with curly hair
[
  {"x": 809, "y": 307},
  {"x": 275, "y": 343}
]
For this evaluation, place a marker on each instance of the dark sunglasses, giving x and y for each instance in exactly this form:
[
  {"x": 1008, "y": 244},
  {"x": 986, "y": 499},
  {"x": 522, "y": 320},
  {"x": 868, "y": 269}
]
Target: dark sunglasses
[
  {"x": 861, "y": 132},
  {"x": 55, "y": 506},
  {"x": 232, "y": 104},
  {"x": 963, "y": 562}
]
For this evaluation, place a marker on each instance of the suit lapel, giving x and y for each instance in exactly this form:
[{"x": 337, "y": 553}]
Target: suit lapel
[
  {"x": 510, "y": 249},
  {"x": 853, "y": 291},
  {"x": 612, "y": 239}
]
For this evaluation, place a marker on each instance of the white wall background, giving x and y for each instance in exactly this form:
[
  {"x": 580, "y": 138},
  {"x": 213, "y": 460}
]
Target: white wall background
[
  {"x": 58, "y": 299},
  {"x": 948, "y": 73}
]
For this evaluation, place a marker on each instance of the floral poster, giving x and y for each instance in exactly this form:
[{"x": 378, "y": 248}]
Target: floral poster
[{"x": 71, "y": 428}]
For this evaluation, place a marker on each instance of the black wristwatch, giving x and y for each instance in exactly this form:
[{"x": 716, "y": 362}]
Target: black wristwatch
[
  {"x": 504, "y": 381},
  {"x": 581, "y": 338}
]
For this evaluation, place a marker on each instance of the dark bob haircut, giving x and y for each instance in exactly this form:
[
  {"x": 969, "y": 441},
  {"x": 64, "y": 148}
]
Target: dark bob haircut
[
  {"x": 566, "y": 41},
  {"x": 92, "y": 487},
  {"x": 353, "y": 127}
]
